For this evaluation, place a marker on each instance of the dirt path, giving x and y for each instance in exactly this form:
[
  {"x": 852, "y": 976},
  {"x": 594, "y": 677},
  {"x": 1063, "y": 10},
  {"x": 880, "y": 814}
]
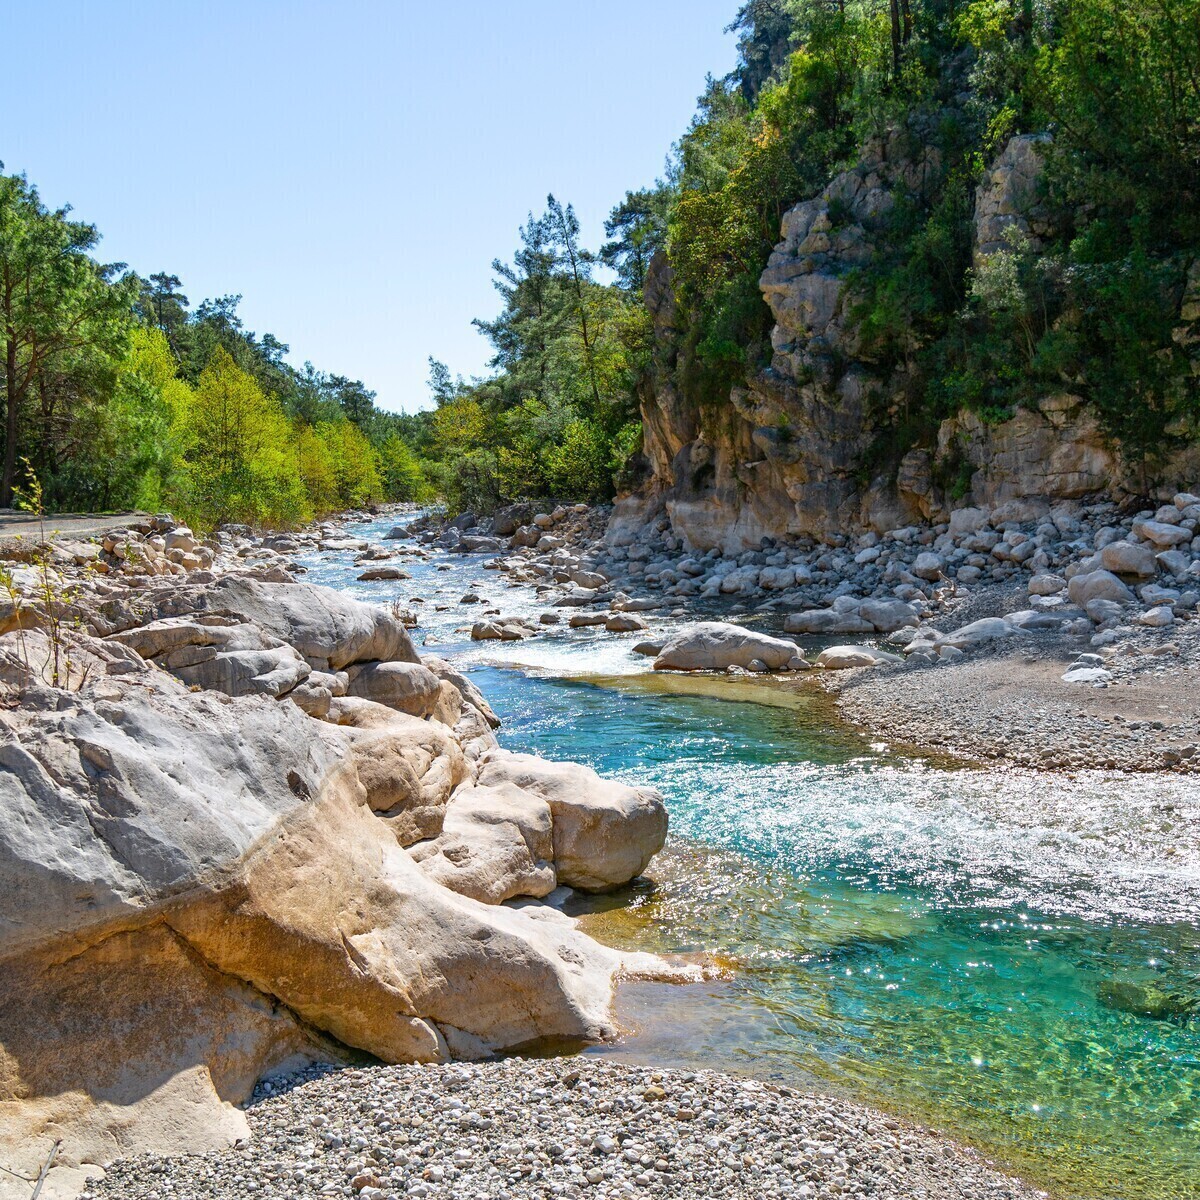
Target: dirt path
[{"x": 22, "y": 524}]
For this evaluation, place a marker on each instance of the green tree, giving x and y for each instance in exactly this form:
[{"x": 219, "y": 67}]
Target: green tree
[
  {"x": 237, "y": 453},
  {"x": 637, "y": 229},
  {"x": 400, "y": 470},
  {"x": 354, "y": 462},
  {"x": 65, "y": 323}
]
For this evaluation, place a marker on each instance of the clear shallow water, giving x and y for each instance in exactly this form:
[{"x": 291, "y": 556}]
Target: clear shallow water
[{"x": 933, "y": 940}]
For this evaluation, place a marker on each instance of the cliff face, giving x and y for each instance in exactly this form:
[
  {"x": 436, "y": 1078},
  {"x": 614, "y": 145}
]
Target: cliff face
[{"x": 788, "y": 456}]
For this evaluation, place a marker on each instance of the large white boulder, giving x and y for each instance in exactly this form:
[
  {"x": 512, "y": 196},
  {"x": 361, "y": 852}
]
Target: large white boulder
[
  {"x": 220, "y": 654},
  {"x": 1162, "y": 534},
  {"x": 985, "y": 630},
  {"x": 928, "y": 565},
  {"x": 605, "y": 832},
  {"x": 329, "y": 630},
  {"x": 1129, "y": 558},
  {"x": 407, "y": 687},
  {"x": 1098, "y": 585},
  {"x": 889, "y": 615},
  {"x": 827, "y": 620},
  {"x": 717, "y": 645},
  {"x": 844, "y": 658}
]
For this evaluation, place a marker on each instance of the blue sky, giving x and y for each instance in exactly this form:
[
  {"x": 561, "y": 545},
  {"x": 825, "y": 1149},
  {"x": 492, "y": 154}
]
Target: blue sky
[{"x": 351, "y": 168}]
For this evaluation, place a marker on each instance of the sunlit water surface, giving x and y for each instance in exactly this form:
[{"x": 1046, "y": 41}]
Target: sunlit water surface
[{"x": 928, "y": 939}]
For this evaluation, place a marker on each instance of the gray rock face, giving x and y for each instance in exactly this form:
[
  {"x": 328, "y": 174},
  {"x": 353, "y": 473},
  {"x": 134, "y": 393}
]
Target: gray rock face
[
  {"x": 109, "y": 802},
  {"x": 716, "y": 645},
  {"x": 785, "y": 456},
  {"x": 329, "y": 630},
  {"x": 1007, "y": 202}
]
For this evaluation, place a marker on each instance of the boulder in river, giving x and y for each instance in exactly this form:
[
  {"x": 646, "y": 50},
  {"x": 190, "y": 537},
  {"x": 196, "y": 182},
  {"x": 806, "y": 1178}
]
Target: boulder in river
[
  {"x": 605, "y": 832},
  {"x": 717, "y": 646},
  {"x": 1146, "y": 999}
]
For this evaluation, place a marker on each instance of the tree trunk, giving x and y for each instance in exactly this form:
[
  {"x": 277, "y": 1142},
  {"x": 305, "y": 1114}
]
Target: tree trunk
[
  {"x": 587, "y": 344},
  {"x": 896, "y": 36},
  {"x": 11, "y": 401}
]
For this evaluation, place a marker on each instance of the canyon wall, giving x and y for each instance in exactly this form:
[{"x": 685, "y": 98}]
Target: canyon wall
[{"x": 790, "y": 455}]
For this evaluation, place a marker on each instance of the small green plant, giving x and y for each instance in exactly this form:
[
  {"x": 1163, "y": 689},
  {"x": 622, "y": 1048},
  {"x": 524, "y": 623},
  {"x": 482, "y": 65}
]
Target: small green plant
[{"x": 55, "y": 600}]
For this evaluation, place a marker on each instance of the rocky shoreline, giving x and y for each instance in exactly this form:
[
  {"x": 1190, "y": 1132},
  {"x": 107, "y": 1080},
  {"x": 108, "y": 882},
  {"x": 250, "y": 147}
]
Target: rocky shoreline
[
  {"x": 194, "y": 644},
  {"x": 1061, "y": 637},
  {"x": 568, "y": 1127},
  {"x": 246, "y": 825}
]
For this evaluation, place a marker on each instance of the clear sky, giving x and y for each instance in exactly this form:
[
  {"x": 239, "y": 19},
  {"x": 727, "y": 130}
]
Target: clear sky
[{"x": 351, "y": 167}]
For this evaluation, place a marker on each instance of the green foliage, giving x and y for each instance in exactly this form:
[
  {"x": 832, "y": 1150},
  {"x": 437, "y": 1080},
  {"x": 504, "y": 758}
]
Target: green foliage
[
  {"x": 400, "y": 471},
  {"x": 637, "y": 228},
  {"x": 1093, "y": 308},
  {"x": 120, "y": 396},
  {"x": 238, "y": 463},
  {"x": 1120, "y": 81},
  {"x": 759, "y": 143},
  {"x": 65, "y": 324},
  {"x": 555, "y": 417}
]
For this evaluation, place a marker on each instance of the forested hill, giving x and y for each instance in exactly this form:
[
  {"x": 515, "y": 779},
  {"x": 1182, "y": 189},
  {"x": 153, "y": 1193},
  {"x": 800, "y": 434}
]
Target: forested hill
[
  {"x": 893, "y": 117},
  {"x": 918, "y": 129},
  {"x": 117, "y": 393}
]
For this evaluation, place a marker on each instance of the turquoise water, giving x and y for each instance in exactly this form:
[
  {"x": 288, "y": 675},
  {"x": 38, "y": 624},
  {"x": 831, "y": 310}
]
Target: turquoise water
[{"x": 929, "y": 939}]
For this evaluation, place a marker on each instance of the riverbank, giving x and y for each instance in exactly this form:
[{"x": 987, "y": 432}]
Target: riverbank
[
  {"x": 1004, "y": 636},
  {"x": 246, "y": 824},
  {"x": 525, "y": 1128},
  {"x": 945, "y": 840},
  {"x": 1011, "y": 706}
]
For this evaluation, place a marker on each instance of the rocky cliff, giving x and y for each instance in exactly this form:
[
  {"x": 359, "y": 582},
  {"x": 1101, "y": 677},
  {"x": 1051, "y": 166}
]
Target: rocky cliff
[{"x": 791, "y": 453}]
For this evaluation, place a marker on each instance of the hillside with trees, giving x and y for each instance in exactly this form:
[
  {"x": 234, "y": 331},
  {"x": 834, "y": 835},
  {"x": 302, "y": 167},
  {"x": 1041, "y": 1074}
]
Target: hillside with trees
[
  {"x": 1098, "y": 303},
  {"x": 117, "y": 392}
]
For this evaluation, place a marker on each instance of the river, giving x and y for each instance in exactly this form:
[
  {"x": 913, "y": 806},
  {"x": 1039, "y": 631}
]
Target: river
[{"x": 931, "y": 939}]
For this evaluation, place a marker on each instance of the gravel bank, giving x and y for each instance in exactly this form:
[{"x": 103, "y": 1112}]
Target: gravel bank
[
  {"x": 1011, "y": 704},
  {"x": 566, "y": 1127}
]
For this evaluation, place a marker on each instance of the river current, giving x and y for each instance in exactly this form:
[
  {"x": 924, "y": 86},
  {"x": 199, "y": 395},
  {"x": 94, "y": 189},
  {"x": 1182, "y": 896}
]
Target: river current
[{"x": 934, "y": 940}]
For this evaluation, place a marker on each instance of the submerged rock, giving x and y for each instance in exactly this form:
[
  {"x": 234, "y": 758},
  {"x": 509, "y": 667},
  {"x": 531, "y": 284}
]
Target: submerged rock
[{"x": 1146, "y": 1000}]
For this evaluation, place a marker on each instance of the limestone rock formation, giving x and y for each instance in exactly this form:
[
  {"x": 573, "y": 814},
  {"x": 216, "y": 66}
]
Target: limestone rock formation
[
  {"x": 1007, "y": 203},
  {"x": 202, "y": 880},
  {"x": 786, "y": 454}
]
